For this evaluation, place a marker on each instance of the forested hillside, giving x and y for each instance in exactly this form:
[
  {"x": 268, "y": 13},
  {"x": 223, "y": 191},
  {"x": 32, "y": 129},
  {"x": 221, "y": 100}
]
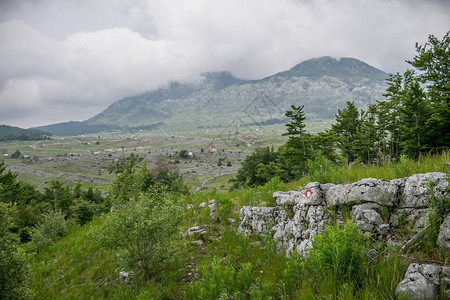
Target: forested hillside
[{"x": 11, "y": 133}]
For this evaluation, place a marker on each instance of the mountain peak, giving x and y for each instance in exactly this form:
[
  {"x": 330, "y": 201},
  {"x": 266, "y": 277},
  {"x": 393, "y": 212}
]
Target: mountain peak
[{"x": 329, "y": 66}]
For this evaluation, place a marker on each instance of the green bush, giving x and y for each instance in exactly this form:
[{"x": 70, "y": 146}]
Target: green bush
[
  {"x": 83, "y": 211},
  {"x": 142, "y": 231},
  {"x": 16, "y": 154},
  {"x": 339, "y": 255},
  {"x": 52, "y": 227}
]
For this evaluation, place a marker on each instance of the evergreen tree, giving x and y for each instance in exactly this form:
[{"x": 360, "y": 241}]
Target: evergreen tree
[
  {"x": 346, "y": 129},
  {"x": 414, "y": 111},
  {"x": 433, "y": 60}
]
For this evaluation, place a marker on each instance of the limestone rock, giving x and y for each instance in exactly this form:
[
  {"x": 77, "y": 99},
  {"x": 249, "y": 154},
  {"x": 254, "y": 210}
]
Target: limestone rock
[
  {"x": 366, "y": 190},
  {"x": 377, "y": 206},
  {"x": 196, "y": 230},
  {"x": 422, "y": 281},
  {"x": 444, "y": 234},
  {"x": 415, "y": 192},
  {"x": 368, "y": 219}
]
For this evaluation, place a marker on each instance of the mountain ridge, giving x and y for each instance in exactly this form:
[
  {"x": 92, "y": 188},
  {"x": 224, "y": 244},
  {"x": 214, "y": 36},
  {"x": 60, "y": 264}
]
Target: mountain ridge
[{"x": 322, "y": 84}]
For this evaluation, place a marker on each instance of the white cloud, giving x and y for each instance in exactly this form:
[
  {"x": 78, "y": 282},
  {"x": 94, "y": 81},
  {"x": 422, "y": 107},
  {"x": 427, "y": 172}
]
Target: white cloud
[{"x": 67, "y": 60}]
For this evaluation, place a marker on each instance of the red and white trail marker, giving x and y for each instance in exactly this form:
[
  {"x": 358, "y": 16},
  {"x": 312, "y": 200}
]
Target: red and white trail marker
[{"x": 308, "y": 194}]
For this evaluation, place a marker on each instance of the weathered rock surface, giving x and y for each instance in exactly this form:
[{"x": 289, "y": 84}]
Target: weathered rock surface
[
  {"x": 378, "y": 206},
  {"x": 444, "y": 234},
  {"x": 424, "y": 282}
]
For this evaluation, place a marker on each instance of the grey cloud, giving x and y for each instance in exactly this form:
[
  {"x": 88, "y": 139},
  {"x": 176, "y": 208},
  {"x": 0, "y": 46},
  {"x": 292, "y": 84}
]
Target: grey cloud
[{"x": 68, "y": 60}]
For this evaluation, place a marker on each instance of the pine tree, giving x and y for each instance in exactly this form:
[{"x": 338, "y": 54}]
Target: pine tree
[
  {"x": 433, "y": 60},
  {"x": 346, "y": 128},
  {"x": 414, "y": 111}
]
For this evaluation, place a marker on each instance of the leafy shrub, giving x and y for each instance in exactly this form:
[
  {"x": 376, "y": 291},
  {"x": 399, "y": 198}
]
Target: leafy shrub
[
  {"x": 52, "y": 227},
  {"x": 16, "y": 154},
  {"x": 83, "y": 211},
  {"x": 339, "y": 254},
  {"x": 141, "y": 233},
  {"x": 184, "y": 153}
]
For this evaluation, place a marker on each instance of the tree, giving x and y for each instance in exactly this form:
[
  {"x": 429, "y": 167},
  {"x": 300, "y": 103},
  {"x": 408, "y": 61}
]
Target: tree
[
  {"x": 433, "y": 60},
  {"x": 296, "y": 127},
  {"x": 184, "y": 153},
  {"x": 414, "y": 112},
  {"x": 60, "y": 196},
  {"x": 14, "y": 262},
  {"x": 16, "y": 154},
  {"x": 142, "y": 231},
  {"x": 248, "y": 173},
  {"x": 366, "y": 138},
  {"x": 346, "y": 128},
  {"x": 293, "y": 155}
]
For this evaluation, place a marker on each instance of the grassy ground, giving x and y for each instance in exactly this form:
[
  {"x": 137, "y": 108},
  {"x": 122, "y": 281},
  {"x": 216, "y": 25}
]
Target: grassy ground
[{"x": 225, "y": 264}]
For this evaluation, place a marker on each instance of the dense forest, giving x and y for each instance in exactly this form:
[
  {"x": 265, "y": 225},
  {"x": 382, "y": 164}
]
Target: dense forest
[{"x": 67, "y": 242}]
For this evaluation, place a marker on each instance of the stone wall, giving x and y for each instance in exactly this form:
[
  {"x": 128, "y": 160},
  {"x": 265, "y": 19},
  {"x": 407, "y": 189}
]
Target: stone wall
[{"x": 380, "y": 207}]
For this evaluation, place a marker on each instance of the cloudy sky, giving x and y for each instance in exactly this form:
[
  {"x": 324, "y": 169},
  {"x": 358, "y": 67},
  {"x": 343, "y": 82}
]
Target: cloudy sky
[{"x": 64, "y": 60}]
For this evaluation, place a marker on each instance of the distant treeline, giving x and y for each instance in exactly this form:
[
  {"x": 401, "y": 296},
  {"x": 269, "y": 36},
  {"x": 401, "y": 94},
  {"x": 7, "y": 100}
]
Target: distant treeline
[
  {"x": 10, "y": 133},
  {"x": 73, "y": 128}
]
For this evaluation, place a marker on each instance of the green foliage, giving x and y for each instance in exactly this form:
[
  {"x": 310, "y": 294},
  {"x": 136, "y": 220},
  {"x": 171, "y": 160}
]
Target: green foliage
[
  {"x": 224, "y": 282},
  {"x": 142, "y": 231},
  {"x": 10, "y": 133},
  {"x": 248, "y": 174},
  {"x": 414, "y": 112},
  {"x": 339, "y": 255},
  {"x": 347, "y": 126},
  {"x": 433, "y": 62},
  {"x": 184, "y": 153},
  {"x": 83, "y": 211},
  {"x": 321, "y": 169},
  {"x": 60, "y": 196},
  {"x": 52, "y": 227},
  {"x": 14, "y": 262},
  {"x": 16, "y": 154}
]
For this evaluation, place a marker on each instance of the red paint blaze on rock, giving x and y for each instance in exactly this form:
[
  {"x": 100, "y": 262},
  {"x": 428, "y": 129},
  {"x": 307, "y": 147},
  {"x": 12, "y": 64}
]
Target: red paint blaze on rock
[{"x": 308, "y": 194}]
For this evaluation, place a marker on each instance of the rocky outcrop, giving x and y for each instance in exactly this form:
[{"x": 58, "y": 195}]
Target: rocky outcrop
[
  {"x": 425, "y": 282},
  {"x": 378, "y": 206}
]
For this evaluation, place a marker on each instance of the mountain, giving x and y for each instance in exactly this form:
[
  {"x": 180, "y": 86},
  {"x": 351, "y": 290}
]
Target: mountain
[
  {"x": 11, "y": 133},
  {"x": 322, "y": 84}
]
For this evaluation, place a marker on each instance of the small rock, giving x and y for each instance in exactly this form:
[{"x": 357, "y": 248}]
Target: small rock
[
  {"x": 125, "y": 276},
  {"x": 212, "y": 210},
  {"x": 202, "y": 205},
  {"x": 197, "y": 242},
  {"x": 196, "y": 230},
  {"x": 189, "y": 206}
]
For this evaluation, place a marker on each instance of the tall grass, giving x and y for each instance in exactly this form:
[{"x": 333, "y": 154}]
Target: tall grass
[{"x": 403, "y": 167}]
